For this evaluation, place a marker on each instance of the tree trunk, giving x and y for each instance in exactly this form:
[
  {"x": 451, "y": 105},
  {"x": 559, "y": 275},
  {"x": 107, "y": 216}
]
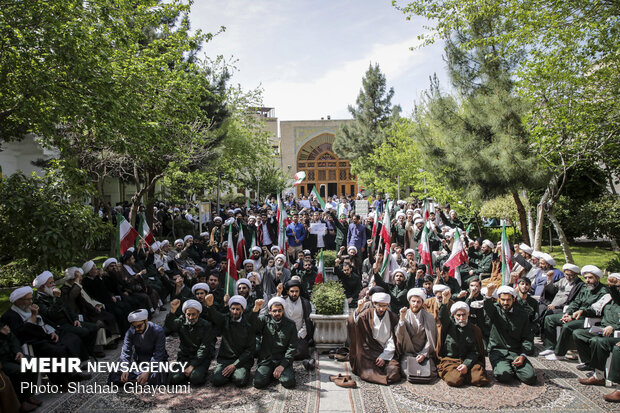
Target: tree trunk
[
  {"x": 568, "y": 256},
  {"x": 540, "y": 215},
  {"x": 522, "y": 217},
  {"x": 530, "y": 219},
  {"x": 614, "y": 245}
]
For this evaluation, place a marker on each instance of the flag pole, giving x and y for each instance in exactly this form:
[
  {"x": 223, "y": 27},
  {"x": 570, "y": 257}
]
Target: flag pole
[{"x": 228, "y": 276}]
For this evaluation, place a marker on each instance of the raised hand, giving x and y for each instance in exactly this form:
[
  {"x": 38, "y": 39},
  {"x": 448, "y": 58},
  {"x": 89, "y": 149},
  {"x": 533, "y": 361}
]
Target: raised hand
[
  {"x": 403, "y": 312},
  {"x": 174, "y": 305},
  {"x": 258, "y": 304},
  {"x": 209, "y": 300}
]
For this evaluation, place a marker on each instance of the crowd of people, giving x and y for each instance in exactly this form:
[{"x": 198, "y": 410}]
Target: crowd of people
[{"x": 410, "y": 319}]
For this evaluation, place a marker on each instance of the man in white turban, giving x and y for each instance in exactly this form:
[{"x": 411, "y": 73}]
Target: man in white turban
[
  {"x": 144, "y": 341},
  {"x": 196, "y": 341},
  {"x": 572, "y": 319},
  {"x": 461, "y": 347},
  {"x": 416, "y": 333},
  {"x": 278, "y": 344},
  {"x": 376, "y": 357},
  {"x": 236, "y": 354}
]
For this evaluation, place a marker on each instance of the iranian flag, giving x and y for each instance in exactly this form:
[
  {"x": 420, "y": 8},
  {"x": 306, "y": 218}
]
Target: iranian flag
[
  {"x": 425, "y": 250},
  {"x": 253, "y": 242},
  {"x": 318, "y": 197},
  {"x": 144, "y": 231},
  {"x": 384, "y": 265},
  {"x": 457, "y": 257},
  {"x": 282, "y": 218},
  {"x": 505, "y": 256},
  {"x": 125, "y": 235},
  {"x": 386, "y": 228},
  {"x": 319, "y": 274},
  {"x": 240, "y": 248},
  {"x": 428, "y": 207},
  {"x": 299, "y": 177},
  {"x": 231, "y": 267}
]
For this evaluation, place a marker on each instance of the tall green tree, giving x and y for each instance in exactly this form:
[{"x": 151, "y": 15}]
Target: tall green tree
[
  {"x": 372, "y": 115},
  {"x": 477, "y": 139}
]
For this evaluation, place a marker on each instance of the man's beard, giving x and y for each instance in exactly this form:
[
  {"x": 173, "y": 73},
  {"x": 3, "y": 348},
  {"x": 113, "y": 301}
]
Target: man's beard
[
  {"x": 23, "y": 307},
  {"x": 47, "y": 290},
  {"x": 591, "y": 286},
  {"x": 293, "y": 299},
  {"x": 235, "y": 317},
  {"x": 279, "y": 267},
  {"x": 462, "y": 323}
]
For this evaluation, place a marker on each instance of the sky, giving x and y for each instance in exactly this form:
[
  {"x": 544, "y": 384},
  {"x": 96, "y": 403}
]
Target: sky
[{"x": 309, "y": 57}]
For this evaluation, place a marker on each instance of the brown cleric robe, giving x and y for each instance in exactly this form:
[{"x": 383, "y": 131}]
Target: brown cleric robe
[
  {"x": 365, "y": 349},
  {"x": 432, "y": 306}
]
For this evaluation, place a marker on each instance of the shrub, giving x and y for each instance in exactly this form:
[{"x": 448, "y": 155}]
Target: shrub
[
  {"x": 329, "y": 258},
  {"x": 613, "y": 265},
  {"x": 328, "y": 298},
  {"x": 17, "y": 273}
]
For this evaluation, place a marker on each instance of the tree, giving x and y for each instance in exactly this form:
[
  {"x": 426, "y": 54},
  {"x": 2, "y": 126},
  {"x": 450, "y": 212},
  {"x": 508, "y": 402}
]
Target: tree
[
  {"x": 45, "y": 220},
  {"x": 372, "y": 115},
  {"x": 477, "y": 139}
]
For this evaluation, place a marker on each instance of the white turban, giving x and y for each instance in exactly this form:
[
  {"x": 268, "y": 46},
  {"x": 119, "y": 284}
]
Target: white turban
[
  {"x": 204, "y": 234},
  {"x": 131, "y": 249},
  {"x": 419, "y": 292},
  {"x": 418, "y": 221},
  {"x": 109, "y": 261},
  {"x": 400, "y": 214},
  {"x": 88, "y": 265},
  {"x": 526, "y": 248},
  {"x": 352, "y": 247},
  {"x": 416, "y": 216},
  {"x": 409, "y": 251},
  {"x": 200, "y": 286},
  {"x": 410, "y": 210},
  {"x": 257, "y": 275},
  {"x": 381, "y": 298},
  {"x": 275, "y": 248},
  {"x": 19, "y": 293},
  {"x": 138, "y": 315},
  {"x": 256, "y": 249},
  {"x": 164, "y": 243},
  {"x": 459, "y": 305},
  {"x": 70, "y": 273},
  {"x": 548, "y": 259},
  {"x": 155, "y": 246},
  {"x": 615, "y": 275},
  {"x": 185, "y": 238},
  {"x": 178, "y": 241},
  {"x": 192, "y": 304},
  {"x": 439, "y": 288},
  {"x": 307, "y": 252},
  {"x": 400, "y": 270},
  {"x": 571, "y": 267},
  {"x": 329, "y": 206},
  {"x": 281, "y": 256},
  {"x": 505, "y": 289},
  {"x": 276, "y": 300},
  {"x": 248, "y": 262},
  {"x": 217, "y": 219},
  {"x": 488, "y": 243},
  {"x": 538, "y": 254},
  {"x": 243, "y": 281},
  {"x": 593, "y": 269},
  {"x": 237, "y": 299},
  {"x": 42, "y": 279}
]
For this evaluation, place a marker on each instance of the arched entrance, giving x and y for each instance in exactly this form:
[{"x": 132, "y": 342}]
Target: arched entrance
[{"x": 331, "y": 175}]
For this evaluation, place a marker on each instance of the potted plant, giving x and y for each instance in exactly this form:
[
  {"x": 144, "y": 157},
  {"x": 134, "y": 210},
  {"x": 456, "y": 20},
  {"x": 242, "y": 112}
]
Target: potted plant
[
  {"x": 330, "y": 320},
  {"x": 329, "y": 258}
]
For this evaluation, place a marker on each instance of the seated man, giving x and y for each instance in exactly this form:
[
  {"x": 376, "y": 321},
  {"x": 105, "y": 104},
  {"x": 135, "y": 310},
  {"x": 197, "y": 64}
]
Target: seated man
[
  {"x": 196, "y": 338},
  {"x": 376, "y": 355},
  {"x": 243, "y": 286},
  {"x": 461, "y": 349},
  {"x": 55, "y": 313},
  {"x": 236, "y": 355},
  {"x": 278, "y": 345},
  {"x": 614, "y": 375},
  {"x": 445, "y": 279},
  {"x": 432, "y": 304},
  {"x": 298, "y": 309},
  {"x": 416, "y": 333},
  {"x": 144, "y": 341},
  {"x": 572, "y": 319},
  {"x": 527, "y": 303},
  {"x": 559, "y": 293},
  {"x": 307, "y": 276},
  {"x": 181, "y": 291},
  {"x": 511, "y": 337},
  {"x": 10, "y": 360},
  {"x": 594, "y": 348},
  {"x": 480, "y": 262},
  {"x": 475, "y": 301},
  {"x": 200, "y": 291}
]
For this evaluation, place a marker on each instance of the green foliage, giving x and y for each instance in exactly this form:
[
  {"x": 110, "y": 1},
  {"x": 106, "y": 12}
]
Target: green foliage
[
  {"x": 372, "y": 115},
  {"x": 613, "y": 265},
  {"x": 233, "y": 198},
  {"x": 45, "y": 220},
  {"x": 495, "y": 234},
  {"x": 17, "y": 273},
  {"x": 269, "y": 176},
  {"x": 329, "y": 258},
  {"x": 502, "y": 207},
  {"x": 328, "y": 298}
]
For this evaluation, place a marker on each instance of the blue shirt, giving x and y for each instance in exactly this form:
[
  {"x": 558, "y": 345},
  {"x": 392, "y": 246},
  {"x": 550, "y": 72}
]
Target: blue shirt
[
  {"x": 299, "y": 231},
  {"x": 357, "y": 236}
]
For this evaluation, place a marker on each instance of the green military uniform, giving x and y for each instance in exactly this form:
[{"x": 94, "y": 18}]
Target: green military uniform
[
  {"x": 480, "y": 263},
  {"x": 530, "y": 306},
  {"x": 478, "y": 317},
  {"x": 455, "y": 288},
  {"x": 398, "y": 233},
  {"x": 352, "y": 285},
  {"x": 614, "y": 369},
  {"x": 341, "y": 232},
  {"x": 55, "y": 313},
  {"x": 594, "y": 349},
  {"x": 307, "y": 282},
  {"x": 195, "y": 347},
  {"x": 584, "y": 300},
  {"x": 511, "y": 336},
  {"x": 458, "y": 342},
  {"x": 236, "y": 347},
  {"x": 397, "y": 293},
  {"x": 278, "y": 348}
]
